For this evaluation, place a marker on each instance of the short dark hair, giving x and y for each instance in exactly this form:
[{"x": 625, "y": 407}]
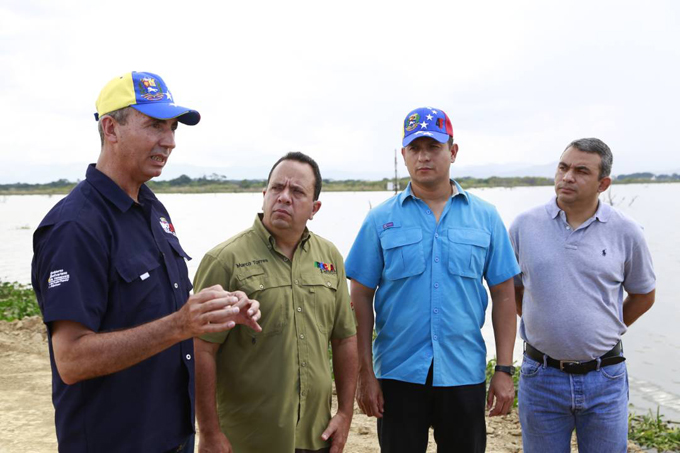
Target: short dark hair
[
  {"x": 595, "y": 146},
  {"x": 119, "y": 115},
  {"x": 305, "y": 159}
]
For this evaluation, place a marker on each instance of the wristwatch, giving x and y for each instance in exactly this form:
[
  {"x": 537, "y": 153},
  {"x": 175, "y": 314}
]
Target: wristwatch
[{"x": 505, "y": 369}]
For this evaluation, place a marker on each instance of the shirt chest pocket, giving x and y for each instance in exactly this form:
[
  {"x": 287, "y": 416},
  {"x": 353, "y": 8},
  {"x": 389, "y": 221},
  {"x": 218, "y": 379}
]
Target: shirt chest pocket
[
  {"x": 274, "y": 296},
  {"x": 181, "y": 259},
  {"x": 321, "y": 290},
  {"x": 402, "y": 252},
  {"x": 467, "y": 251},
  {"x": 139, "y": 296}
]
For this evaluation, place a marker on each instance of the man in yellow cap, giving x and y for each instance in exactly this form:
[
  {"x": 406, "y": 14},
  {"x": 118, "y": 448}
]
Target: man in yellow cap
[{"x": 112, "y": 283}]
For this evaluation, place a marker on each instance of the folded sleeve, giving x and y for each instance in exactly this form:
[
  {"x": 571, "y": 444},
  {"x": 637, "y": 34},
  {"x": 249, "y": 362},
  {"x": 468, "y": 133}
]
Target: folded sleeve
[
  {"x": 501, "y": 263},
  {"x": 365, "y": 260},
  {"x": 70, "y": 274}
]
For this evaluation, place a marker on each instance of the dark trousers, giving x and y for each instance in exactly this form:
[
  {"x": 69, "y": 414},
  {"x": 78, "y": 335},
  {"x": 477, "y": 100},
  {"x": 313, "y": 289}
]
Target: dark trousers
[{"x": 455, "y": 413}]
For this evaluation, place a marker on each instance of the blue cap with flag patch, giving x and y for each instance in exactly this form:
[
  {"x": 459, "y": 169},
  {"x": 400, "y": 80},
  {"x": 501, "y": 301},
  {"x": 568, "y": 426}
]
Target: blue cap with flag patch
[
  {"x": 146, "y": 93},
  {"x": 427, "y": 122}
]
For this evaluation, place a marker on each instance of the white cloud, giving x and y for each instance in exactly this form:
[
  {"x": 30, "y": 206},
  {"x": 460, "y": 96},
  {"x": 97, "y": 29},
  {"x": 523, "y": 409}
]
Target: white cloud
[{"x": 518, "y": 79}]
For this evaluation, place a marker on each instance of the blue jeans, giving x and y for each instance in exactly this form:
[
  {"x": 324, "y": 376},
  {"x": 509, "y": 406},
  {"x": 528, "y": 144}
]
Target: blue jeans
[{"x": 553, "y": 403}]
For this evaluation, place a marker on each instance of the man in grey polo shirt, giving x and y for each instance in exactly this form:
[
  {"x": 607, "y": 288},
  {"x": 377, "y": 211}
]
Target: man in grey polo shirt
[{"x": 577, "y": 256}]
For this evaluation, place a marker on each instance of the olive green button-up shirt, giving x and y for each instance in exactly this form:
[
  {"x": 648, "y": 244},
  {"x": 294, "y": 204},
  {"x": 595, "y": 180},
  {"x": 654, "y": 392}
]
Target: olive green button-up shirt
[{"x": 274, "y": 387}]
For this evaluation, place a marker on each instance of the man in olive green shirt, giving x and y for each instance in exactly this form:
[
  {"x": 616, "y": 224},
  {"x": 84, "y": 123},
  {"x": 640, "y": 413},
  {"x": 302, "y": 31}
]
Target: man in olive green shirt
[{"x": 270, "y": 391}]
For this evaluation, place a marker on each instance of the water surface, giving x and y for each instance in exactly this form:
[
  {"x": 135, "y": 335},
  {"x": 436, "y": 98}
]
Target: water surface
[{"x": 203, "y": 220}]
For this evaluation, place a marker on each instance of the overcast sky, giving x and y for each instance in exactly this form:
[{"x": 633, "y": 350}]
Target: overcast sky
[{"x": 519, "y": 79}]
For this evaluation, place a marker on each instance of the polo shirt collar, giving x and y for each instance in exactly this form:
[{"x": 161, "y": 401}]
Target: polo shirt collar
[
  {"x": 109, "y": 189},
  {"x": 269, "y": 239},
  {"x": 407, "y": 192},
  {"x": 603, "y": 211},
  {"x": 602, "y": 214},
  {"x": 552, "y": 209}
]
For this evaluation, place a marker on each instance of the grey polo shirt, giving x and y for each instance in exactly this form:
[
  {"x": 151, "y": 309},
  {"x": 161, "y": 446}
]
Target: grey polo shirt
[{"x": 574, "y": 280}]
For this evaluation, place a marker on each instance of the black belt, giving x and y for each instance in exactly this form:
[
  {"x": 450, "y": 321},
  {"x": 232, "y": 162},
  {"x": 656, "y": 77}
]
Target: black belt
[{"x": 574, "y": 367}]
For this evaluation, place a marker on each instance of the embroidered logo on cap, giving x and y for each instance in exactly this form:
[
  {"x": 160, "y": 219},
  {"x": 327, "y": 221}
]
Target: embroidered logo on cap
[
  {"x": 149, "y": 90},
  {"x": 412, "y": 122}
]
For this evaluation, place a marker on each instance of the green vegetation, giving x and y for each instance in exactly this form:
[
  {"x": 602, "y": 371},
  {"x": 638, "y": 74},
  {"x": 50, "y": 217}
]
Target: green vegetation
[
  {"x": 633, "y": 178},
  {"x": 652, "y": 431},
  {"x": 17, "y": 301},
  {"x": 220, "y": 184}
]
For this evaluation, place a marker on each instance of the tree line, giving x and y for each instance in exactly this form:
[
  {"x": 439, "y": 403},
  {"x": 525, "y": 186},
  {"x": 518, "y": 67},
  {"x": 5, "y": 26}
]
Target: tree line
[{"x": 220, "y": 183}]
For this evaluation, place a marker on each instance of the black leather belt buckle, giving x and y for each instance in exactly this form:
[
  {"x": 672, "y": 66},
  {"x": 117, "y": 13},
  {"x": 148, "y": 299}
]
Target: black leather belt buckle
[
  {"x": 567, "y": 363},
  {"x": 573, "y": 367}
]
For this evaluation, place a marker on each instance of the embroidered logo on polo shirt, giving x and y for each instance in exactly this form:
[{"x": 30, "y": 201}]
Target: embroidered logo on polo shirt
[
  {"x": 325, "y": 268},
  {"x": 167, "y": 226},
  {"x": 388, "y": 225},
  {"x": 57, "y": 277}
]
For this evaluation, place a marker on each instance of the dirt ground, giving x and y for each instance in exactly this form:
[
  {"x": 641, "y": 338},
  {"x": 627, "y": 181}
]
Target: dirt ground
[{"x": 27, "y": 415}]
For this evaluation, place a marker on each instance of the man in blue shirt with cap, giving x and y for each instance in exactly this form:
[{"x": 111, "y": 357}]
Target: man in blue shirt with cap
[
  {"x": 112, "y": 283},
  {"x": 423, "y": 255}
]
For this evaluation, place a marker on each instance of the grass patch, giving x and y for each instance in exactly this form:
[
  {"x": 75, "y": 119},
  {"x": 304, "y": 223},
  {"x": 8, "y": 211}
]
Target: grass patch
[
  {"x": 651, "y": 431},
  {"x": 17, "y": 301}
]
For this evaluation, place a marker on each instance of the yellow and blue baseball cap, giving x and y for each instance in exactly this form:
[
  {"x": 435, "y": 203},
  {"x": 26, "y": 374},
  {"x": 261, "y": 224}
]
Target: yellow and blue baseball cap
[
  {"x": 427, "y": 122},
  {"x": 146, "y": 93}
]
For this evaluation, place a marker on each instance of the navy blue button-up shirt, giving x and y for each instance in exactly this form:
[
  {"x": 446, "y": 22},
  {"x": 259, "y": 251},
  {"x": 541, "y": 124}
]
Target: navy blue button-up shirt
[{"x": 109, "y": 263}]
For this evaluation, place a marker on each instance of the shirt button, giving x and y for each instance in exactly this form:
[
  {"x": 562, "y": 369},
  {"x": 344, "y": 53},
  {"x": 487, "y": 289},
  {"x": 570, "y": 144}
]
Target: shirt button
[
  {"x": 328, "y": 283},
  {"x": 428, "y": 212},
  {"x": 188, "y": 356},
  {"x": 436, "y": 285},
  {"x": 436, "y": 235},
  {"x": 261, "y": 286},
  {"x": 302, "y": 336},
  {"x": 285, "y": 258},
  {"x": 434, "y": 337},
  {"x": 297, "y": 282},
  {"x": 436, "y": 310},
  {"x": 436, "y": 260},
  {"x": 299, "y": 309},
  {"x": 176, "y": 286},
  {"x": 304, "y": 364},
  {"x": 568, "y": 228}
]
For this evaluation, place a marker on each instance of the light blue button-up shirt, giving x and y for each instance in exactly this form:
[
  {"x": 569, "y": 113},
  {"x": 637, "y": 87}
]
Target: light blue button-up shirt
[{"x": 430, "y": 300}]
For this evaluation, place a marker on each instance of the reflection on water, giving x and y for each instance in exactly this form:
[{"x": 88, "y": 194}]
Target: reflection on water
[{"x": 203, "y": 220}]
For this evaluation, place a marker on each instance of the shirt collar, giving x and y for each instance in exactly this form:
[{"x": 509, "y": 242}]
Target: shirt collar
[
  {"x": 602, "y": 214},
  {"x": 109, "y": 189},
  {"x": 268, "y": 238},
  {"x": 457, "y": 190}
]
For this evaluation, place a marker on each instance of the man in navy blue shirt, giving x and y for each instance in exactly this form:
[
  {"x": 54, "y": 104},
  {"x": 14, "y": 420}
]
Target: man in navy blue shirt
[
  {"x": 112, "y": 283},
  {"x": 420, "y": 259}
]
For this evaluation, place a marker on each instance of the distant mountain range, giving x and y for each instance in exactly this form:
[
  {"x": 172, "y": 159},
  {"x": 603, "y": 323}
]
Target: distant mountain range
[{"x": 39, "y": 174}]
